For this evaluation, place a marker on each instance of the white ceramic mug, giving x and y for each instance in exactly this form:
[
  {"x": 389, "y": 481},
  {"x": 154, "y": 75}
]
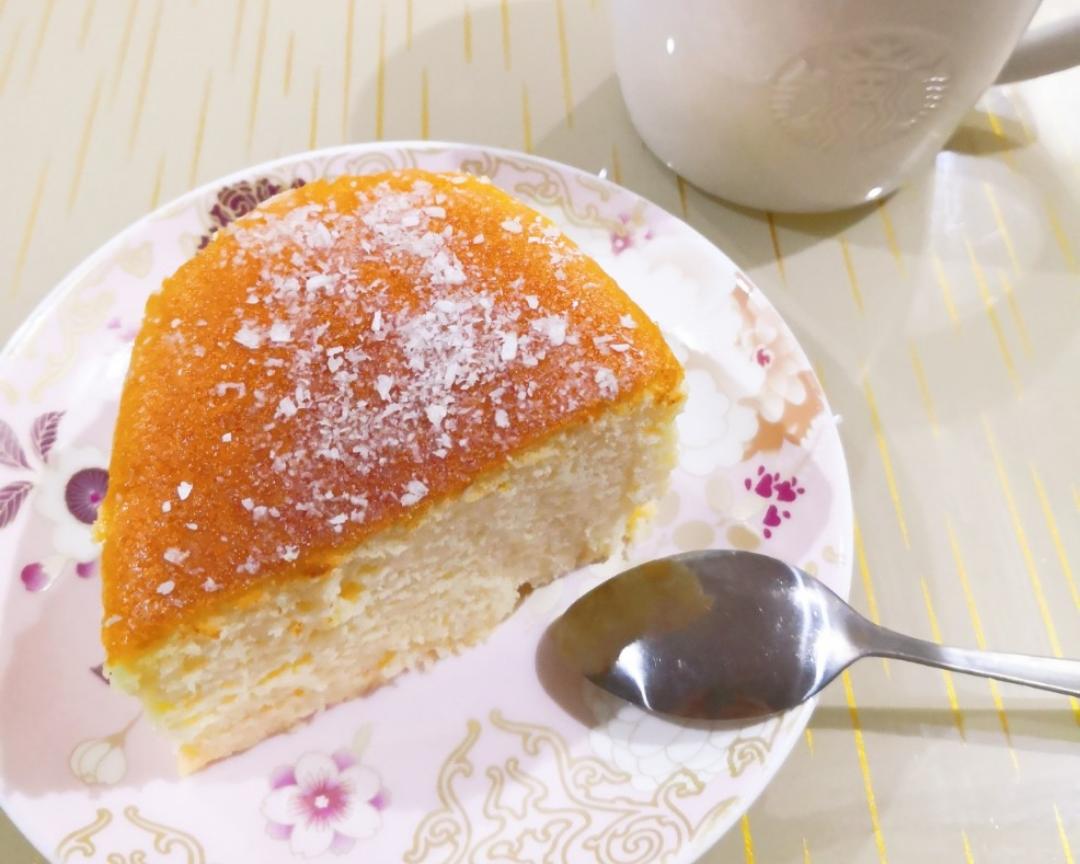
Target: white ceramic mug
[{"x": 811, "y": 105}]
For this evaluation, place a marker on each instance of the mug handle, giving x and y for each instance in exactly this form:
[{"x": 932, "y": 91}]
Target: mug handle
[{"x": 1050, "y": 48}]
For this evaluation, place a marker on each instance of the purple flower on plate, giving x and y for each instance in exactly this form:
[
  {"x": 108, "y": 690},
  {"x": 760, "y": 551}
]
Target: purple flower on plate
[
  {"x": 84, "y": 493},
  {"x": 323, "y": 803},
  {"x": 68, "y": 493},
  {"x": 239, "y": 199},
  {"x": 66, "y": 487}
]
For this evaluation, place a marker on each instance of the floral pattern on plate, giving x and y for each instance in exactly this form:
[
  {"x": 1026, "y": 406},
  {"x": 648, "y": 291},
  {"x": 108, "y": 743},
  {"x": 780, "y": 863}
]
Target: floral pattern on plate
[
  {"x": 67, "y": 492},
  {"x": 323, "y": 803},
  {"x": 237, "y": 199},
  {"x": 475, "y": 770}
]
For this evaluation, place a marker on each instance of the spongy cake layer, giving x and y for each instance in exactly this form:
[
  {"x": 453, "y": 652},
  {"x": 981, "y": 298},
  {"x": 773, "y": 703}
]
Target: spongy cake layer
[
  {"x": 337, "y": 362},
  {"x": 409, "y": 594}
]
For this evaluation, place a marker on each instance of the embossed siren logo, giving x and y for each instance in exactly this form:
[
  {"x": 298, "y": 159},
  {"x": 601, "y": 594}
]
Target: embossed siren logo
[{"x": 863, "y": 89}]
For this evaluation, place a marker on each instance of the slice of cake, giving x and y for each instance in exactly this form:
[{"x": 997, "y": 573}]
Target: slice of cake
[{"x": 358, "y": 425}]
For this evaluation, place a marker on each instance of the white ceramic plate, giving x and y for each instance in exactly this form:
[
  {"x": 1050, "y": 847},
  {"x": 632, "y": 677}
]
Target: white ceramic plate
[{"x": 473, "y": 760}]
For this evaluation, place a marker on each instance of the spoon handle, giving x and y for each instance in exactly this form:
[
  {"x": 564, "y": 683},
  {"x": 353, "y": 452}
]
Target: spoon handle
[{"x": 1045, "y": 673}]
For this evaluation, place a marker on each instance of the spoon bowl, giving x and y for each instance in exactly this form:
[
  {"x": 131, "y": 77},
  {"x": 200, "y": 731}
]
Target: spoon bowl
[{"x": 732, "y": 635}]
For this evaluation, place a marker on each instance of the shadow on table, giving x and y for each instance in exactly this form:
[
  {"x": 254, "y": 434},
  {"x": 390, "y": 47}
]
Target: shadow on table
[{"x": 976, "y": 136}]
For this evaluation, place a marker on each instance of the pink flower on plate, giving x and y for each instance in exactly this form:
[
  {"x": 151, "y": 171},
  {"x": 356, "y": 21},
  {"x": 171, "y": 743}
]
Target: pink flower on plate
[
  {"x": 624, "y": 238},
  {"x": 781, "y": 365},
  {"x": 323, "y": 804},
  {"x": 125, "y": 333}
]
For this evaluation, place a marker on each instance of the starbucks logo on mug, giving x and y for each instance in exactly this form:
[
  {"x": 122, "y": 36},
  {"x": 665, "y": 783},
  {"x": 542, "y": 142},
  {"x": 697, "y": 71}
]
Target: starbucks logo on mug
[{"x": 862, "y": 89}]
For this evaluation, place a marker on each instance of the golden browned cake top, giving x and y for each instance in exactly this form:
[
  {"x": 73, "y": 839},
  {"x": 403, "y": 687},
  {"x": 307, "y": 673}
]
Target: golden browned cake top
[{"x": 344, "y": 356}]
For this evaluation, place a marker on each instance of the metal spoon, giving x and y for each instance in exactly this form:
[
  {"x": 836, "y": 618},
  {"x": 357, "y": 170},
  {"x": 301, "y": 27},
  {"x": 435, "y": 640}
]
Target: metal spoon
[{"x": 735, "y": 635}]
